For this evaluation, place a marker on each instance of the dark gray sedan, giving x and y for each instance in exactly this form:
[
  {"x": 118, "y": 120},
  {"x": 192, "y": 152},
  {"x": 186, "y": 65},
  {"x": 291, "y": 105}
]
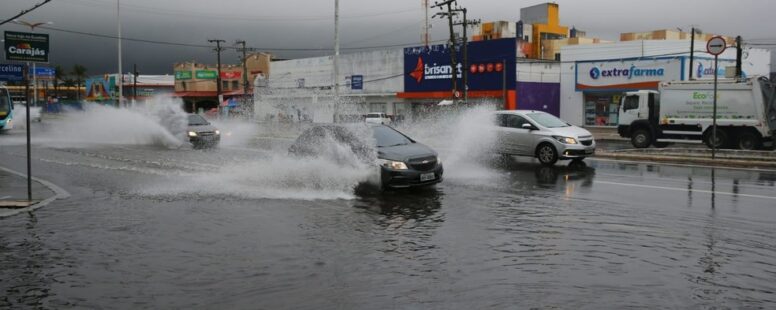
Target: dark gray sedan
[
  {"x": 201, "y": 133},
  {"x": 403, "y": 161}
]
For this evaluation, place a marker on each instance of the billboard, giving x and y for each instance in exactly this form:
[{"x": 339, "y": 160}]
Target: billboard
[
  {"x": 24, "y": 46},
  {"x": 428, "y": 68},
  {"x": 101, "y": 87},
  {"x": 43, "y": 73}
]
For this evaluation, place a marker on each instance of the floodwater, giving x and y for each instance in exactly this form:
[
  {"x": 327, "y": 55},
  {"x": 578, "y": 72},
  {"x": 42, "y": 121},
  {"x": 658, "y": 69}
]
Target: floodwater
[{"x": 154, "y": 226}]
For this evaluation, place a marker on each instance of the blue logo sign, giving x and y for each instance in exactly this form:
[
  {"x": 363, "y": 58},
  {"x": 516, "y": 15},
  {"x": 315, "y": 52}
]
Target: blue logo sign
[
  {"x": 44, "y": 72},
  {"x": 356, "y": 82},
  {"x": 11, "y": 73},
  {"x": 595, "y": 73}
]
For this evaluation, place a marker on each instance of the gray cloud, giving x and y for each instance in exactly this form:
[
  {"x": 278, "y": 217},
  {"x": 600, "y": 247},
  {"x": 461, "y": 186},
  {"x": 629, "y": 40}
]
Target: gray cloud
[{"x": 298, "y": 24}]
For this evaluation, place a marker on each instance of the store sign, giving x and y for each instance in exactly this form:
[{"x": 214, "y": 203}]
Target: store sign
[
  {"x": 206, "y": 74},
  {"x": 24, "y": 46},
  {"x": 230, "y": 75},
  {"x": 357, "y": 82},
  {"x": 429, "y": 69},
  {"x": 11, "y": 73},
  {"x": 183, "y": 75},
  {"x": 45, "y": 73},
  {"x": 628, "y": 74},
  {"x": 705, "y": 68}
]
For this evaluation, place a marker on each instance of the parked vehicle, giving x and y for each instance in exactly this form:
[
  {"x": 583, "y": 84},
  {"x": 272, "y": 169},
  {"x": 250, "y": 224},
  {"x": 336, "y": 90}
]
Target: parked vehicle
[
  {"x": 378, "y": 118},
  {"x": 6, "y": 109},
  {"x": 541, "y": 135},
  {"x": 403, "y": 162},
  {"x": 201, "y": 133},
  {"x": 683, "y": 111}
]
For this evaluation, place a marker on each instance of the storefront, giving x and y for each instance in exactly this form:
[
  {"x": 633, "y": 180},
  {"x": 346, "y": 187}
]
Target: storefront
[{"x": 595, "y": 78}]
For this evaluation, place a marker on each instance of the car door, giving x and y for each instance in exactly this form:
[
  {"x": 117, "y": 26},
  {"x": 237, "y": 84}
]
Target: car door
[
  {"x": 512, "y": 139},
  {"x": 522, "y": 138},
  {"x": 504, "y": 143}
]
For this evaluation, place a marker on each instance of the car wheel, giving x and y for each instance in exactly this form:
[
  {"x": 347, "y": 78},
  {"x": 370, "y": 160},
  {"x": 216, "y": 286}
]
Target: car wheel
[
  {"x": 547, "y": 154},
  {"x": 641, "y": 138},
  {"x": 749, "y": 141}
]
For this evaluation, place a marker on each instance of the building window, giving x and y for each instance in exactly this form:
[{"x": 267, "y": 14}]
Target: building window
[
  {"x": 378, "y": 107},
  {"x": 601, "y": 108},
  {"x": 224, "y": 84},
  {"x": 235, "y": 84}
]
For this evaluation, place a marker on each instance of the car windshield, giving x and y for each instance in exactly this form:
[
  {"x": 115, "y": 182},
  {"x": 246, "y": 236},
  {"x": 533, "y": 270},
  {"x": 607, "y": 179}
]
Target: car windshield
[
  {"x": 386, "y": 136},
  {"x": 5, "y": 104},
  {"x": 373, "y": 115},
  {"x": 547, "y": 120},
  {"x": 196, "y": 120}
]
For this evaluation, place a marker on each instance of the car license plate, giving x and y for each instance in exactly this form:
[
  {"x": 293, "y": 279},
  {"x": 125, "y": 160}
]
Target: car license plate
[
  {"x": 427, "y": 177},
  {"x": 590, "y": 151}
]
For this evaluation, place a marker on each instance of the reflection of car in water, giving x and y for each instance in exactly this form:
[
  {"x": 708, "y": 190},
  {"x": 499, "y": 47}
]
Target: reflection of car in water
[
  {"x": 403, "y": 162},
  {"x": 576, "y": 172},
  {"x": 201, "y": 133},
  {"x": 541, "y": 135}
]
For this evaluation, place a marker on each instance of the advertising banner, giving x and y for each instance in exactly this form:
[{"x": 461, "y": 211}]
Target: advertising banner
[
  {"x": 230, "y": 75},
  {"x": 627, "y": 74},
  {"x": 101, "y": 87},
  {"x": 206, "y": 74},
  {"x": 11, "y": 72},
  {"x": 704, "y": 68},
  {"x": 183, "y": 75},
  {"x": 428, "y": 68},
  {"x": 24, "y": 46}
]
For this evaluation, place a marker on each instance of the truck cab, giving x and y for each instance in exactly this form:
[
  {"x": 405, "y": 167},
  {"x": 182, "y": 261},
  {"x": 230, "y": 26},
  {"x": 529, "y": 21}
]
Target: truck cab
[{"x": 639, "y": 116}]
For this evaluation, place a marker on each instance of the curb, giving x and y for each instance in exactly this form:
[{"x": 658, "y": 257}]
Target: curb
[
  {"x": 722, "y": 162},
  {"x": 59, "y": 193}
]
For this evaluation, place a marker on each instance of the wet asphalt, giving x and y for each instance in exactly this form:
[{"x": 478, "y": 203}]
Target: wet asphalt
[{"x": 149, "y": 227}]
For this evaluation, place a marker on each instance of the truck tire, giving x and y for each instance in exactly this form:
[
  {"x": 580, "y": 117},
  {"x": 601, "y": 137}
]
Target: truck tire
[
  {"x": 748, "y": 140},
  {"x": 641, "y": 138},
  {"x": 722, "y": 138}
]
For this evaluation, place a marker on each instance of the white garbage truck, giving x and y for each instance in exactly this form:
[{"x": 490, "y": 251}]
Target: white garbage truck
[{"x": 681, "y": 111}]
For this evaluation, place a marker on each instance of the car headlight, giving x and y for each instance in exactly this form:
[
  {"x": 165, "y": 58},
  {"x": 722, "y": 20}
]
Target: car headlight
[
  {"x": 192, "y": 134},
  {"x": 565, "y": 140},
  {"x": 218, "y": 132},
  {"x": 395, "y": 165}
]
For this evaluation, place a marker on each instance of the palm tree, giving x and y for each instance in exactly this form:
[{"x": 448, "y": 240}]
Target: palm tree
[
  {"x": 58, "y": 76},
  {"x": 79, "y": 72}
]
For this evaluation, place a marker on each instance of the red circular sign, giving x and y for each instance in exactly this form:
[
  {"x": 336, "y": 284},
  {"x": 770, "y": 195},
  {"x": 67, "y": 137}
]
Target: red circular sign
[
  {"x": 499, "y": 67},
  {"x": 490, "y": 67},
  {"x": 473, "y": 68},
  {"x": 481, "y": 68},
  {"x": 716, "y": 45}
]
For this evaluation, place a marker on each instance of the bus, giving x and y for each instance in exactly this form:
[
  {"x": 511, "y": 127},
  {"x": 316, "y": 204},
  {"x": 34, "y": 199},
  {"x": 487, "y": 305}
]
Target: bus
[{"x": 6, "y": 109}]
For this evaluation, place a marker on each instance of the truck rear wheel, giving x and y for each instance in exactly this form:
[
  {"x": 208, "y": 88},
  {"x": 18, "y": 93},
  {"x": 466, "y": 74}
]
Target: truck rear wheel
[
  {"x": 749, "y": 141},
  {"x": 722, "y": 138},
  {"x": 641, "y": 138}
]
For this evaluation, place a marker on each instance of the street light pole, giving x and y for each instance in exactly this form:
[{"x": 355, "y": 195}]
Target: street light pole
[
  {"x": 336, "y": 60},
  {"x": 121, "y": 75}
]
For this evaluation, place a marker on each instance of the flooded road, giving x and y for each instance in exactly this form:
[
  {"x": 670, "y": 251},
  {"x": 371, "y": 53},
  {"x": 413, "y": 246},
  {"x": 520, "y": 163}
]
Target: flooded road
[{"x": 151, "y": 227}]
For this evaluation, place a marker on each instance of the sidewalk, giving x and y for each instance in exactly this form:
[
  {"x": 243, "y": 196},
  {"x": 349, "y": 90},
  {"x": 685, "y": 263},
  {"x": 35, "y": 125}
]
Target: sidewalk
[
  {"x": 13, "y": 193},
  {"x": 605, "y": 134}
]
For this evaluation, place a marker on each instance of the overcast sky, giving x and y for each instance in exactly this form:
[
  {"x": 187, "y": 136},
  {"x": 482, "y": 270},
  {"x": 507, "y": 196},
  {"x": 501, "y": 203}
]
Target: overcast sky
[{"x": 300, "y": 28}]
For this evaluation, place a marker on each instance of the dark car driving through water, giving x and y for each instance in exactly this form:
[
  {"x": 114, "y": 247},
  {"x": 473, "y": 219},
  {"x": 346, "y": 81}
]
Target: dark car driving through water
[
  {"x": 403, "y": 161},
  {"x": 201, "y": 133}
]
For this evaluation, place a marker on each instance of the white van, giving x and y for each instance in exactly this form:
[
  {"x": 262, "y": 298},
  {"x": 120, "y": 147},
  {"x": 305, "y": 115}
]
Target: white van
[{"x": 378, "y": 118}]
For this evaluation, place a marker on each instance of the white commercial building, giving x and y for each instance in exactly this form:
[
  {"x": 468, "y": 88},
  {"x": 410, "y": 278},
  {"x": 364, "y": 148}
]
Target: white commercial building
[{"x": 594, "y": 77}]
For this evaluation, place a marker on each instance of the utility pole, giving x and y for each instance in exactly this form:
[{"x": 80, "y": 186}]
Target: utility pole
[
  {"x": 692, "y": 50},
  {"x": 218, "y": 77},
  {"x": 134, "y": 83},
  {"x": 453, "y": 60},
  {"x": 245, "y": 73},
  {"x": 121, "y": 73},
  {"x": 465, "y": 23},
  {"x": 739, "y": 53},
  {"x": 426, "y": 27},
  {"x": 336, "y": 60}
]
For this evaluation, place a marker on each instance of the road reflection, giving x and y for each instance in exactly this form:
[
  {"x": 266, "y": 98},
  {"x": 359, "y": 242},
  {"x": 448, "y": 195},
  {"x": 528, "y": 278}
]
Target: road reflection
[{"x": 566, "y": 178}]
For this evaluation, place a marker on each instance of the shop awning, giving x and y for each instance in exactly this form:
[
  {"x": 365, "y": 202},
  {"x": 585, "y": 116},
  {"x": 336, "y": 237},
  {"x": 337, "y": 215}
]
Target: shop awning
[{"x": 195, "y": 94}]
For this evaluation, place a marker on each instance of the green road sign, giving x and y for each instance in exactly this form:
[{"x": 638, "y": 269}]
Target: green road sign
[{"x": 25, "y": 46}]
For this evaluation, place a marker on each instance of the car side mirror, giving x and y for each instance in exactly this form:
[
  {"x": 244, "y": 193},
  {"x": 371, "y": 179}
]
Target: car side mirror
[{"x": 528, "y": 126}]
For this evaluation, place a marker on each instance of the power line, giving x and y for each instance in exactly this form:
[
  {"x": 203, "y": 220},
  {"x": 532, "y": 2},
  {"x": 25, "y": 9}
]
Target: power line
[{"x": 22, "y": 13}]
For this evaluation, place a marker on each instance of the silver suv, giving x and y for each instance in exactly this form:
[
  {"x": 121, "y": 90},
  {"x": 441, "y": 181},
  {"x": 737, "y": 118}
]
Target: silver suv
[{"x": 541, "y": 135}]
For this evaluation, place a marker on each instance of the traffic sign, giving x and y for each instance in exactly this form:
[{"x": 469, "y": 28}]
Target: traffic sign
[
  {"x": 716, "y": 45},
  {"x": 11, "y": 72}
]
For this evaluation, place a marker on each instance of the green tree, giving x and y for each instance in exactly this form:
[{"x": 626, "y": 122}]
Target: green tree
[
  {"x": 79, "y": 73},
  {"x": 59, "y": 75}
]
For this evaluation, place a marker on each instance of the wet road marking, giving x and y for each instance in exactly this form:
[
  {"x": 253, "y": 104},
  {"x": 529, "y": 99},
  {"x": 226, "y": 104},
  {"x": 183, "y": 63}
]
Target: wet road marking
[
  {"x": 720, "y": 180},
  {"x": 687, "y": 190},
  {"x": 679, "y": 165}
]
